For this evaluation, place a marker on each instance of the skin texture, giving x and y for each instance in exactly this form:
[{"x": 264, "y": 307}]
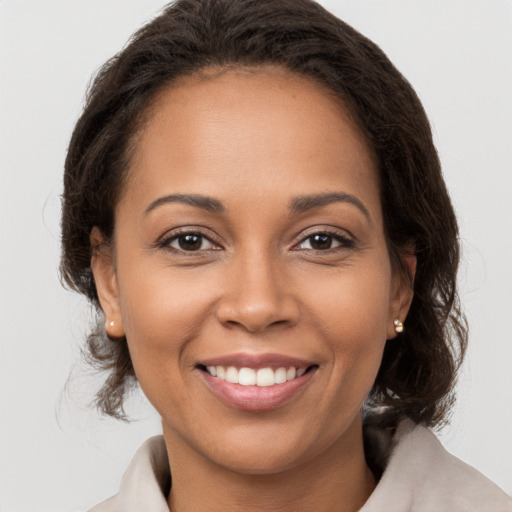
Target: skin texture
[{"x": 254, "y": 140}]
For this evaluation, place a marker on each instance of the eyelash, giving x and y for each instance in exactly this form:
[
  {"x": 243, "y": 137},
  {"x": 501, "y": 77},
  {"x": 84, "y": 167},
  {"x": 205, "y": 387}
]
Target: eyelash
[
  {"x": 344, "y": 241},
  {"x": 165, "y": 243}
]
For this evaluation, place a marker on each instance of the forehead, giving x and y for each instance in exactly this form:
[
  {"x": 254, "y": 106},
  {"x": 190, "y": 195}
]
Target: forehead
[{"x": 253, "y": 128}]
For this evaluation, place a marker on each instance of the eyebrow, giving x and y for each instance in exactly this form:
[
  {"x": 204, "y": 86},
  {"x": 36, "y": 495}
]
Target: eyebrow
[
  {"x": 302, "y": 204},
  {"x": 199, "y": 201},
  {"x": 299, "y": 204}
]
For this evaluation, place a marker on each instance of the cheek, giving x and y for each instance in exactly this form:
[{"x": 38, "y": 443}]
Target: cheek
[
  {"x": 352, "y": 304},
  {"x": 161, "y": 314},
  {"x": 351, "y": 311}
]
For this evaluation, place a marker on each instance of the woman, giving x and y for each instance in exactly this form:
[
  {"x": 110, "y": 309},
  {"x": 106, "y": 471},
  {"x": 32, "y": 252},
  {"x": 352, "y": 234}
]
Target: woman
[{"x": 254, "y": 204}]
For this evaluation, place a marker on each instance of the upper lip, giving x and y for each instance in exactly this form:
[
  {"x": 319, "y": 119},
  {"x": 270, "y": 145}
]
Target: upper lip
[{"x": 257, "y": 361}]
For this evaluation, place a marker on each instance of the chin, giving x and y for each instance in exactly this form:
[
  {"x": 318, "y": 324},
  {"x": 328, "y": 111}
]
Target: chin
[
  {"x": 264, "y": 447},
  {"x": 258, "y": 459}
]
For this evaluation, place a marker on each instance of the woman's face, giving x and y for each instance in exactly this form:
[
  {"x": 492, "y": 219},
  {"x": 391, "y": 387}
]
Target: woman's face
[{"x": 250, "y": 272}]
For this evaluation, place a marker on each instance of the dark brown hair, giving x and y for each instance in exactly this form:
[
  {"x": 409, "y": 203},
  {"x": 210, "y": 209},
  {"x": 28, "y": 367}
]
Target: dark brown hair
[{"x": 418, "y": 369}]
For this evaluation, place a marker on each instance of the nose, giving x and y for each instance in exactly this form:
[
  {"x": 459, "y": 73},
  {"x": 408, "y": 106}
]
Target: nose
[{"x": 257, "y": 295}]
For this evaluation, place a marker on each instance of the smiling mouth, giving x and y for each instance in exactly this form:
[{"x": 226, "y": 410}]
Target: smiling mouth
[
  {"x": 262, "y": 377},
  {"x": 257, "y": 382}
]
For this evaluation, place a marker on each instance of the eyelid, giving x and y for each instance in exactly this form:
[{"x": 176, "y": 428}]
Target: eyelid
[
  {"x": 344, "y": 237},
  {"x": 165, "y": 240}
]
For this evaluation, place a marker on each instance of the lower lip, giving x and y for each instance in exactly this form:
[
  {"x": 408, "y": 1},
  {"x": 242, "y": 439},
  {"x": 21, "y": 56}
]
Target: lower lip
[{"x": 256, "y": 398}]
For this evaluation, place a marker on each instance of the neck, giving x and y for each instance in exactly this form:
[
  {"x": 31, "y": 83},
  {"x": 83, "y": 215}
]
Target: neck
[{"x": 335, "y": 481}]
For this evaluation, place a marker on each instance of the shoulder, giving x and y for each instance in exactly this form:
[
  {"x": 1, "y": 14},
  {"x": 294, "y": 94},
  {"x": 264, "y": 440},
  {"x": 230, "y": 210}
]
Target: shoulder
[
  {"x": 144, "y": 484},
  {"x": 421, "y": 475}
]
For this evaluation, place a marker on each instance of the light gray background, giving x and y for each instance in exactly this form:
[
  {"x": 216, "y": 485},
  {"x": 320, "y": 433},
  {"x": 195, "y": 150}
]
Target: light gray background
[{"x": 55, "y": 453}]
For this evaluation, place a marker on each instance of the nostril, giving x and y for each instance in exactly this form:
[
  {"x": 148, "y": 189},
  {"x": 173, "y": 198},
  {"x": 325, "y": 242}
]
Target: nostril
[
  {"x": 255, "y": 324},
  {"x": 279, "y": 322}
]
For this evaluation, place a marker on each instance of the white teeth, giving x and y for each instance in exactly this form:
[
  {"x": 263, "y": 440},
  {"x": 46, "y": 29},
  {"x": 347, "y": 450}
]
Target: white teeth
[
  {"x": 247, "y": 377},
  {"x": 265, "y": 377},
  {"x": 232, "y": 375},
  {"x": 250, "y": 377},
  {"x": 280, "y": 375}
]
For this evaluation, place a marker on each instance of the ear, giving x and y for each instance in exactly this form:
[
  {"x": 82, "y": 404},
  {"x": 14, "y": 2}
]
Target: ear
[
  {"x": 402, "y": 291},
  {"x": 103, "y": 270}
]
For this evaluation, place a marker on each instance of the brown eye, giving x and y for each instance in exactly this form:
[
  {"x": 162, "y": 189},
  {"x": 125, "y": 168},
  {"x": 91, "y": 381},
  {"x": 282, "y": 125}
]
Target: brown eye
[
  {"x": 190, "y": 242},
  {"x": 325, "y": 241},
  {"x": 321, "y": 241}
]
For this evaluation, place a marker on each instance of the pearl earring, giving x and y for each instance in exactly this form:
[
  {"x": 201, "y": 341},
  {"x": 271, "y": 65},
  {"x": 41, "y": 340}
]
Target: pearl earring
[
  {"x": 111, "y": 324},
  {"x": 399, "y": 326}
]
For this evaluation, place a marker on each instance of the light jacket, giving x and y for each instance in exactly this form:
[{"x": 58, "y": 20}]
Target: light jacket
[{"x": 419, "y": 476}]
